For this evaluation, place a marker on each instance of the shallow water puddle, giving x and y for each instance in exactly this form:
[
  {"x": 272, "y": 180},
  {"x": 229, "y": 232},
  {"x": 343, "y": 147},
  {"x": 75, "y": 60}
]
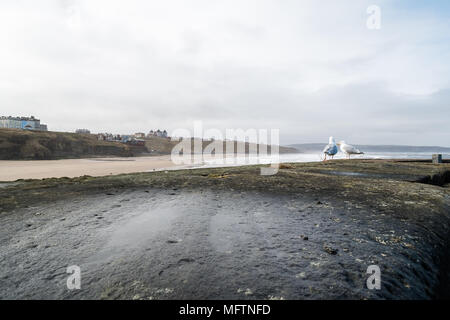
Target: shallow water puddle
[{"x": 138, "y": 229}]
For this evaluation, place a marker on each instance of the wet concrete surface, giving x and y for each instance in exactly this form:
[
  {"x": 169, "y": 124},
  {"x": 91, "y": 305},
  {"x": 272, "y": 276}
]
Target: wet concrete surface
[{"x": 150, "y": 243}]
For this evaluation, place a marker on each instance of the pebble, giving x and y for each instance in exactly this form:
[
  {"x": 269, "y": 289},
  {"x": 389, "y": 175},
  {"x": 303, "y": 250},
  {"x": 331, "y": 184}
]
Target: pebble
[{"x": 330, "y": 250}]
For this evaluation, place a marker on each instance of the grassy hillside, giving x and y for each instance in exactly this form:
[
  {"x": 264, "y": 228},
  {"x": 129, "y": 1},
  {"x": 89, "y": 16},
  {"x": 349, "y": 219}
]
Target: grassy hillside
[
  {"x": 158, "y": 145},
  {"x": 39, "y": 145}
]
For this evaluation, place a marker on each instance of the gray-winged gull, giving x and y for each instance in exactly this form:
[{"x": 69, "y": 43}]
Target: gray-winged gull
[
  {"x": 330, "y": 149},
  {"x": 348, "y": 149}
]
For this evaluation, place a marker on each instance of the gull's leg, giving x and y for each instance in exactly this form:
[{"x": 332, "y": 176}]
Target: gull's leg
[{"x": 325, "y": 159}]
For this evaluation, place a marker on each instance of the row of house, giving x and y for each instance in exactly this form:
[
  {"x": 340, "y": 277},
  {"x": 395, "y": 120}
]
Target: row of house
[
  {"x": 129, "y": 139},
  {"x": 82, "y": 131},
  {"x": 24, "y": 123},
  {"x": 31, "y": 123},
  {"x": 118, "y": 137},
  {"x": 109, "y": 137},
  {"x": 152, "y": 133}
]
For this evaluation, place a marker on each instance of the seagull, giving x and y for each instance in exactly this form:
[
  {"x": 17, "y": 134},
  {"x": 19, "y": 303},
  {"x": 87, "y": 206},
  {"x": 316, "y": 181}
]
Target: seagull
[
  {"x": 348, "y": 149},
  {"x": 330, "y": 149}
]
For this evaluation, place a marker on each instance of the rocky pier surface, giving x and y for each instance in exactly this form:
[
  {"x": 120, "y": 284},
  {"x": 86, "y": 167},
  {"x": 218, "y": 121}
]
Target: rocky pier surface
[{"x": 308, "y": 232}]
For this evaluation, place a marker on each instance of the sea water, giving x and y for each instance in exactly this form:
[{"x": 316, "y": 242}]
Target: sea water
[{"x": 313, "y": 157}]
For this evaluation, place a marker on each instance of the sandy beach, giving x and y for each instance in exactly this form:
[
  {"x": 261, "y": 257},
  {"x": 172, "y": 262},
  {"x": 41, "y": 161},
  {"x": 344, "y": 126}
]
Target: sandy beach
[{"x": 39, "y": 169}]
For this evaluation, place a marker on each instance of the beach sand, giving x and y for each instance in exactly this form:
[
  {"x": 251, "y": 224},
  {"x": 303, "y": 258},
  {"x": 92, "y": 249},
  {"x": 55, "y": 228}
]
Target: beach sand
[{"x": 39, "y": 169}]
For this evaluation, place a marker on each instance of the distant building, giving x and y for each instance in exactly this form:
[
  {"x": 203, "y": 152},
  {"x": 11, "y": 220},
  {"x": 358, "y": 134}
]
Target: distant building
[
  {"x": 82, "y": 131},
  {"x": 157, "y": 133},
  {"x": 109, "y": 137},
  {"x": 125, "y": 138},
  {"x": 24, "y": 123},
  {"x": 139, "y": 135}
]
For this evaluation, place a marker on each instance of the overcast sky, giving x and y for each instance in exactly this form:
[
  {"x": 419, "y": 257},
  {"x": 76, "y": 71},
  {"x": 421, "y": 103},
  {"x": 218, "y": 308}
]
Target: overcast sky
[{"x": 309, "y": 68}]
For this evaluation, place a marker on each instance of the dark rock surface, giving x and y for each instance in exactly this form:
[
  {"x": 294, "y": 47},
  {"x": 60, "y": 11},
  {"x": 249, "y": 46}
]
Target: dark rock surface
[{"x": 230, "y": 233}]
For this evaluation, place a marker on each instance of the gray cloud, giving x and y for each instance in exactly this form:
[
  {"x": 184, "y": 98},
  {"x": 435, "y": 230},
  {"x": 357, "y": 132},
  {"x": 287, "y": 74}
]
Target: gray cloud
[{"x": 309, "y": 68}]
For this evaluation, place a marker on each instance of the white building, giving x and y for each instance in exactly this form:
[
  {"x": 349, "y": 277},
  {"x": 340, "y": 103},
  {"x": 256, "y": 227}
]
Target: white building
[{"x": 25, "y": 123}]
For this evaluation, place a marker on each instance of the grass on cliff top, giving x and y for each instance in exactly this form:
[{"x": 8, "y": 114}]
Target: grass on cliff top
[{"x": 18, "y": 144}]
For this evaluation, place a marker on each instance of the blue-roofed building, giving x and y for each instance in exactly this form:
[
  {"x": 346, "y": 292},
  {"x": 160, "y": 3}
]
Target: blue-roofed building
[{"x": 24, "y": 123}]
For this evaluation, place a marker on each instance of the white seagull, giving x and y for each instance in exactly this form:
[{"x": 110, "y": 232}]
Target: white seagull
[
  {"x": 330, "y": 149},
  {"x": 348, "y": 149}
]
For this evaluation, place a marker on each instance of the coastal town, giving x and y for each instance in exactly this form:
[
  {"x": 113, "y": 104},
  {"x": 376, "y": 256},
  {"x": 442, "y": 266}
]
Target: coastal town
[
  {"x": 135, "y": 139},
  {"x": 33, "y": 124}
]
